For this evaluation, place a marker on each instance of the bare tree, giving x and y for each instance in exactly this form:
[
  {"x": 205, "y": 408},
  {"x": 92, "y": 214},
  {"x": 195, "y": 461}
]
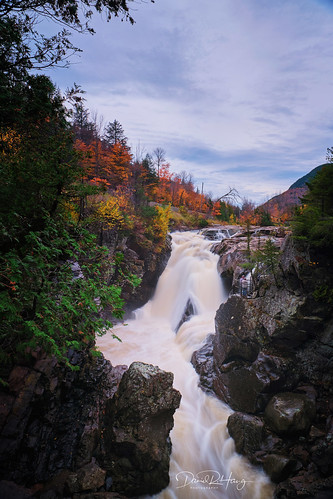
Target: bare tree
[
  {"x": 98, "y": 122},
  {"x": 159, "y": 158},
  {"x": 140, "y": 152},
  {"x": 231, "y": 195}
]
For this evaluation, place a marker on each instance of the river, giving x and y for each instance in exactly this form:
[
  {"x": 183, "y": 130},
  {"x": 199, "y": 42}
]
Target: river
[{"x": 203, "y": 462}]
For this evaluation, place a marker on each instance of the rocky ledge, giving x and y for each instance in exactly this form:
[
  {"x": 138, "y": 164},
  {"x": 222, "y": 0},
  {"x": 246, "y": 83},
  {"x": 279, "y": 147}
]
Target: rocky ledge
[
  {"x": 270, "y": 359},
  {"x": 98, "y": 432}
]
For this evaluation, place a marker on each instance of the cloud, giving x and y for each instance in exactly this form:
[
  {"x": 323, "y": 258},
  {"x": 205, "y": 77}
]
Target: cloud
[{"x": 237, "y": 93}]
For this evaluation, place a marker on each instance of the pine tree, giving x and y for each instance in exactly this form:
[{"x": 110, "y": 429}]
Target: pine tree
[
  {"x": 313, "y": 222},
  {"x": 114, "y": 134}
]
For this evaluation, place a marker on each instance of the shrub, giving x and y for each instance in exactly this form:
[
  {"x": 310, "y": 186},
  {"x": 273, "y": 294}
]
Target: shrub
[{"x": 42, "y": 304}]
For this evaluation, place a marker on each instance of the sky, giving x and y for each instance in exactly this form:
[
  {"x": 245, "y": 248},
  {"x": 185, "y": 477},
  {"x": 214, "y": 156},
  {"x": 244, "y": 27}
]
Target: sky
[{"x": 237, "y": 92}]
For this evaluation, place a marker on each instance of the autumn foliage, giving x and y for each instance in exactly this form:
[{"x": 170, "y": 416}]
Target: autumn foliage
[{"x": 126, "y": 186}]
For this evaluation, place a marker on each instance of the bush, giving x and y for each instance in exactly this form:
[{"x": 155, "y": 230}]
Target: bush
[{"x": 202, "y": 223}]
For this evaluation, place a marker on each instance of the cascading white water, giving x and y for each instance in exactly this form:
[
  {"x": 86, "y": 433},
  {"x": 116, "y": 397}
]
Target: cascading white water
[{"x": 203, "y": 461}]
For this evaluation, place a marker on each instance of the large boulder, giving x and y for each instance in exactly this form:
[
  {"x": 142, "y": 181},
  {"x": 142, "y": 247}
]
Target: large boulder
[
  {"x": 247, "y": 386},
  {"x": 247, "y": 432},
  {"x": 241, "y": 388},
  {"x": 290, "y": 413},
  {"x": 137, "y": 425},
  {"x": 277, "y": 318},
  {"x": 229, "y": 348}
]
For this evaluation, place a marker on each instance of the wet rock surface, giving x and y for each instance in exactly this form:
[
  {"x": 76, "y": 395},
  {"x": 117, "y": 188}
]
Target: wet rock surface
[
  {"x": 137, "y": 427},
  {"x": 55, "y": 422},
  {"x": 270, "y": 359},
  {"x": 290, "y": 413},
  {"x": 146, "y": 264}
]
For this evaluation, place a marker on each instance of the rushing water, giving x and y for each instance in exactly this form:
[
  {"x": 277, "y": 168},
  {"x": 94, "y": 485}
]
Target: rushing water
[{"x": 203, "y": 460}]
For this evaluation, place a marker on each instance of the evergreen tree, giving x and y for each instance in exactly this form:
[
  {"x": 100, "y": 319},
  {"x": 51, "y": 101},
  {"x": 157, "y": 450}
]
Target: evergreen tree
[
  {"x": 114, "y": 134},
  {"x": 150, "y": 174},
  {"x": 84, "y": 129},
  {"x": 264, "y": 217},
  {"x": 313, "y": 221}
]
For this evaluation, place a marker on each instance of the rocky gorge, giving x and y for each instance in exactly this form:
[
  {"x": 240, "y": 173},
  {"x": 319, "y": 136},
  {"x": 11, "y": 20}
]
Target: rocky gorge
[
  {"x": 102, "y": 431},
  {"x": 270, "y": 360}
]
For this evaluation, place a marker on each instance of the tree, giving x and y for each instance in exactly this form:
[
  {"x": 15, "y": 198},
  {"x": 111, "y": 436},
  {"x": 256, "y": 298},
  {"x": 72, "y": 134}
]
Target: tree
[
  {"x": 38, "y": 167},
  {"x": 114, "y": 134},
  {"x": 313, "y": 221},
  {"x": 41, "y": 304},
  {"x": 149, "y": 170},
  {"x": 73, "y": 13},
  {"x": 30, "y": 49},
  {"x": 231, "y": 195},
  {"x": 118, "y": 165},
  {"x": 159, "y": 158},
  {"x": 268, "y": 259},
  {"x": 162, "y": 193},
  {"x": 222, "y": 210},
  {"x": 247, "y": 212},
  {"x": 84, "y": 129},
  {"x": 24, "y": 49},
  {"x": 263, "y": 216},
  {"x": 143, "y": 180}
]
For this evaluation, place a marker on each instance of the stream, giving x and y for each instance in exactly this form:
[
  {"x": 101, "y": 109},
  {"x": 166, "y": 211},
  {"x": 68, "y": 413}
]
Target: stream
[{"x": 203, "y": 462}]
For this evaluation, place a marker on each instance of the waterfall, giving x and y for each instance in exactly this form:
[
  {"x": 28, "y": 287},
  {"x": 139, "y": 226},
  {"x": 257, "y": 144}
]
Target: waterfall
[{"x": 203, "y": 462}]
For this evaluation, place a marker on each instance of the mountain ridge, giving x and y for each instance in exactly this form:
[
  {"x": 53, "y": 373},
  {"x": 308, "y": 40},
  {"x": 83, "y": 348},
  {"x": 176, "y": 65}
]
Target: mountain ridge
[
  {"x": 301, "y": 182},
  {"x": 281, "y": 206}
]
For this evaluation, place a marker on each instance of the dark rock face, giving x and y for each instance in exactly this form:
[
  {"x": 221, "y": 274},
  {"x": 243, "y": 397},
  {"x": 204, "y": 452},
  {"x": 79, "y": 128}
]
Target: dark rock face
[
  {"x": 271, "y": 361},
  {"x": 245, "y": 374},
  {"x": 148, "y": 265},
  {"x": 54, "y": 422},
  {"x": 139, "y": 420}
]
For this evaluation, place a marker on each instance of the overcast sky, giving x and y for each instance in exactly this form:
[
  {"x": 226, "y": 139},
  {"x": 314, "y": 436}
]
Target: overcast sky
[{"x": 237, "y": 92}]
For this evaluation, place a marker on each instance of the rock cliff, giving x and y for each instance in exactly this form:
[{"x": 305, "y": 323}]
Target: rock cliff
[
  {"x": 270, "y": 359},
  {"x": 95, "y": 432}
]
